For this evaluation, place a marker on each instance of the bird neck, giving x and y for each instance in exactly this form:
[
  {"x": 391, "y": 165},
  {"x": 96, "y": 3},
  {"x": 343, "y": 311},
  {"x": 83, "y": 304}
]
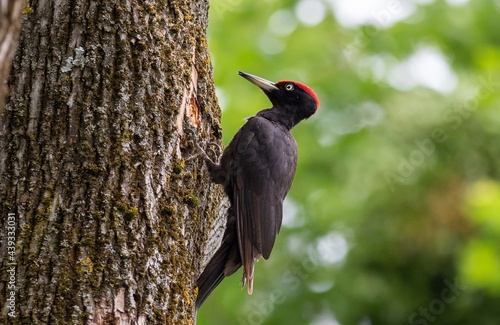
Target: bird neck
[{"x": 280, "y": 116}]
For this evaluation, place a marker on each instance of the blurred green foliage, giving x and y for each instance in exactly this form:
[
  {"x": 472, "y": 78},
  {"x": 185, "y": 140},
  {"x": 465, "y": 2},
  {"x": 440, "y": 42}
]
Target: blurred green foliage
[{"x": 394, "y": 214}]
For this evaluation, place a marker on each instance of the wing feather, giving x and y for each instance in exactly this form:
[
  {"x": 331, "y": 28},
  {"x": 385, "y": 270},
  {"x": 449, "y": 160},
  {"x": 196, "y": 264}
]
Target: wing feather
[{"x": 264, "y": 157}]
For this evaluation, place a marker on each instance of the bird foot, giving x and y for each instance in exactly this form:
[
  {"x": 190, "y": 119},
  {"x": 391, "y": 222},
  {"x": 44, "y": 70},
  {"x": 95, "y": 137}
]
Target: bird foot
[
  {"x": 205, "y": 153},
  {"x": 215, "y": 153}
]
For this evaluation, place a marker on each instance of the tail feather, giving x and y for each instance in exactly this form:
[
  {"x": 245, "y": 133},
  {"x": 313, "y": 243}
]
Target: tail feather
[
  {"x": 207, "y": 282},
  {"x": 248, "y": 271},
  {"x": 225, "y": 262}
]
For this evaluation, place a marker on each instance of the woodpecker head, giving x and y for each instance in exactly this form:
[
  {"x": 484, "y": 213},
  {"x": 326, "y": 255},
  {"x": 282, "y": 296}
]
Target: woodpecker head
[{"x": 291, "y": 99}]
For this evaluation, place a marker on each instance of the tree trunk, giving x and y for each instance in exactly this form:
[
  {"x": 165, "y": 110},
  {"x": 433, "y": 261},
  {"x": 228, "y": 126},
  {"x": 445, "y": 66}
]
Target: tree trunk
[
  {"x": 108, "y": 218},
  {"x": 10, "y": 23}
]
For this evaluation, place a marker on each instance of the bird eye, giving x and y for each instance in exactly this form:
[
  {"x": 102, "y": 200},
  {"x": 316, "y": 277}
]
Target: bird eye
[{"x": 289, "y": 87}]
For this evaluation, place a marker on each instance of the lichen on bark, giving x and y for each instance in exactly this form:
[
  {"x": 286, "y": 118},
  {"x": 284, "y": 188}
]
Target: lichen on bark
[{"x": 111, "y": 219}]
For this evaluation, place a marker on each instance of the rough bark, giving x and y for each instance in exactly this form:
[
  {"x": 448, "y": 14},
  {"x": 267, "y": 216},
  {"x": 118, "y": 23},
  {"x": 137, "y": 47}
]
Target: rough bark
[
  {"x": 10, "y": 23},
  {"x": 110, "y": 219}
]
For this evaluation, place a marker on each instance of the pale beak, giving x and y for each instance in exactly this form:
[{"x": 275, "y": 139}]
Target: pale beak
[{"x": 265, "y": 85}]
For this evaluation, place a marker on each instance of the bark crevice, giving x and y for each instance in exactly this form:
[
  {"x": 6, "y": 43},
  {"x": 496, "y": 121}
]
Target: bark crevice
[{"x": 110, "y": 218}]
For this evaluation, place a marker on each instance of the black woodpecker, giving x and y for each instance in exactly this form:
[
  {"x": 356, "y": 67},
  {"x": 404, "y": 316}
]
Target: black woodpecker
[{"x": 257, "y": 170}]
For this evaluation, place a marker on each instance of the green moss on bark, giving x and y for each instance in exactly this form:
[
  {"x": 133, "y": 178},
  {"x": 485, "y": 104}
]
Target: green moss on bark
[{"x": 95, "y": 165}]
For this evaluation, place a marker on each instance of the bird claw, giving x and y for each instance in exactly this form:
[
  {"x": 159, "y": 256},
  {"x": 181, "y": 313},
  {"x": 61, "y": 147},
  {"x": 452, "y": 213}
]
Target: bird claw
[
  {"x": 201, "y": 152},
  {"x": 205, "y": 153},
  {"x": 215, "y": 153}
]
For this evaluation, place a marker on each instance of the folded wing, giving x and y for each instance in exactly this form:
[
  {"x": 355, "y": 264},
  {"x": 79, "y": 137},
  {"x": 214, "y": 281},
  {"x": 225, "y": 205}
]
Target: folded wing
[{"x": 264, "y": 163}]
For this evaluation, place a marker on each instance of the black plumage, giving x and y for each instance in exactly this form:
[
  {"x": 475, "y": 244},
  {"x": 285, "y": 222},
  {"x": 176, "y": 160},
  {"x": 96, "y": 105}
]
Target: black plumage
[{"x": 257, "y": 170}]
